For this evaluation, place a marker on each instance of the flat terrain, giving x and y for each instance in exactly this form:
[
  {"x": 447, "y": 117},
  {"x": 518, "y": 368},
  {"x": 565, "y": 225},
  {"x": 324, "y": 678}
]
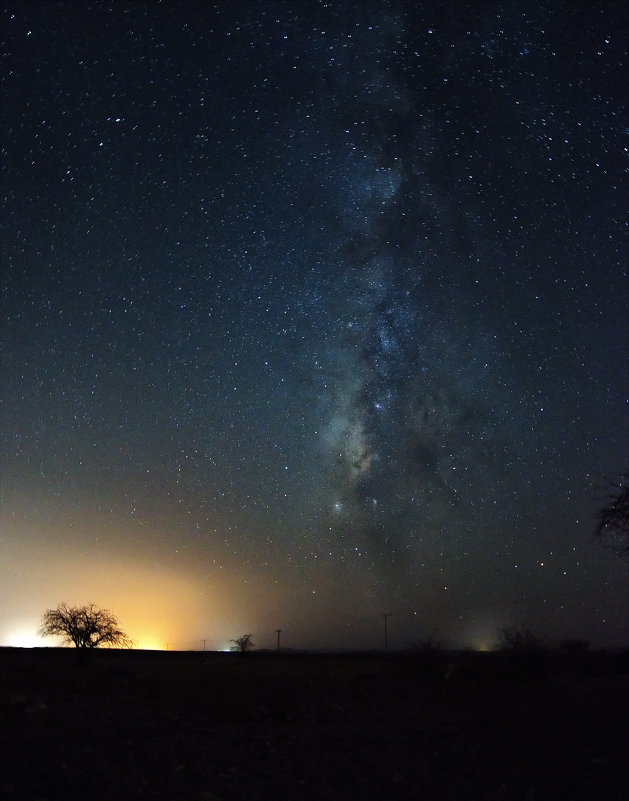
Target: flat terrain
[{"x": 299, "y": 727}]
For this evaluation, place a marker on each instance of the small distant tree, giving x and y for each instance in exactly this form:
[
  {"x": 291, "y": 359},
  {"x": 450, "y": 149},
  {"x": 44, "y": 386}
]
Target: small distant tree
[
  {"x": 574, "y": 646},
  {"x": 612, "y": 529},
  {"x": 431, "y": 644},
  {"x": 243, "y": 644},
  {"x": 518, "y": 638},
  {"x": 84, "y": 626}
]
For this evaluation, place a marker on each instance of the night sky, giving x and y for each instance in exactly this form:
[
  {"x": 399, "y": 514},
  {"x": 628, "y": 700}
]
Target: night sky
[{"x": 313, "y": 311}]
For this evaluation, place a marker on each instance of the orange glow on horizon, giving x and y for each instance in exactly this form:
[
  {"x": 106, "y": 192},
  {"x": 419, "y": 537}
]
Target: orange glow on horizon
[
  {"x": 149, "y": 645},
  {"x": 158, "y": 608},
  {"x": 24, "y": 635}
]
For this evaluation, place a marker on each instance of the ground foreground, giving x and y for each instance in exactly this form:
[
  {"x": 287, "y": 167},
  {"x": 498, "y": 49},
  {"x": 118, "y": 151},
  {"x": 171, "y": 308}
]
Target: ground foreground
[{"x": 294, "y": 727}]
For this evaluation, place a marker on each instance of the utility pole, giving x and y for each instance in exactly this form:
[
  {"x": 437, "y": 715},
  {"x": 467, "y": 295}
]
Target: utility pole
[
  {"x": 279, "y": 631},
  {"x": 386, "y": 615},
  {"x": 204, "y": 641}
]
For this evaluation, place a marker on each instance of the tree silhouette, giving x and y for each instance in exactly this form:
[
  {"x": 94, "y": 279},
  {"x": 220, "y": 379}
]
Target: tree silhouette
[
  {"x": 243, "y": 644},
  {"x": 84, "y": 626},
  {"x": 612, "y": 529},
  {"x": 518, "y": 638}
]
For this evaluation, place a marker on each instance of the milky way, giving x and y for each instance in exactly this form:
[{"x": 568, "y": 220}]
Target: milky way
[
  {"x": 418, "y": 391},
  {"x": 316, "y": 307}
]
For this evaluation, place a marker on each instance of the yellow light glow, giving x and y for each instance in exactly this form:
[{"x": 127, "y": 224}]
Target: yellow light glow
[
  {"x": 161, "y": 604},
  {"x": 149, "y": 645},
  {"x": 25, "y": 637}
]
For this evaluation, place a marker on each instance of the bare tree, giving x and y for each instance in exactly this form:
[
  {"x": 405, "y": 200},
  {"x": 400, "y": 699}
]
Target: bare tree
[
  {"x": 518, "y": 638},
  {"x": 84, "y": 626},
  {"x": 612, "y": 529},
  {"x": 243, "y": 644}
]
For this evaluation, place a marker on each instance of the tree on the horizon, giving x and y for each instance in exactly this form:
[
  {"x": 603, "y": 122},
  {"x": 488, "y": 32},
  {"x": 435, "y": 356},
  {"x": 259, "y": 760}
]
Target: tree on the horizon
[
  {"x": 84, "y": 626},
  {"x": 518, "y": 638},
  {"x": 612, "y": 529},
  {"x": 243, "y": 644}
]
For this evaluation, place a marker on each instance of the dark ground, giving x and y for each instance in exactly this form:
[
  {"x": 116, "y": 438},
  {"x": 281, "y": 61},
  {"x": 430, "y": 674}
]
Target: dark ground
[{"x": 297, "y": 727}]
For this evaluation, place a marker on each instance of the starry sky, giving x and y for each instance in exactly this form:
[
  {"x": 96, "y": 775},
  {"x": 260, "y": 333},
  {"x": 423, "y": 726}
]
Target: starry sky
[{"x": 313, "y": 310}]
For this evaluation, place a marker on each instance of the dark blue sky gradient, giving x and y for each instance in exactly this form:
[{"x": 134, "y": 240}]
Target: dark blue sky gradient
[{"x": 319, "y": 307}]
